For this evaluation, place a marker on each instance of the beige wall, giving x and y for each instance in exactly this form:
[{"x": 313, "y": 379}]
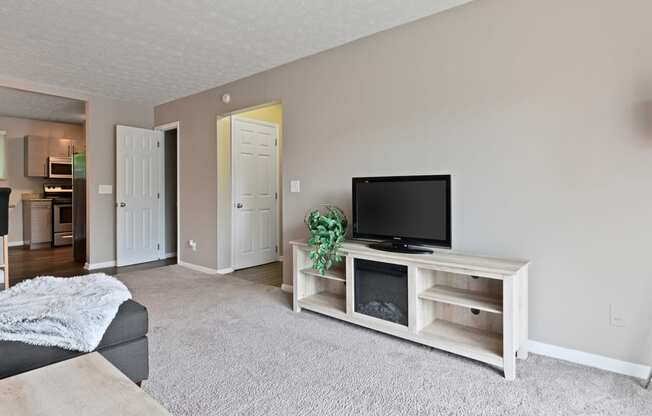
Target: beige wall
[
  {"x": 17, "y": 129},
  {"x": 539, "y": 109},
  {"x": 102, "y": 115}
]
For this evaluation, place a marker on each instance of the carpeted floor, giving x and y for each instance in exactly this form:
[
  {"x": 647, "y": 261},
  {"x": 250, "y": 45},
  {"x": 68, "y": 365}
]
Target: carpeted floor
[{"x": 225, "y": 346}]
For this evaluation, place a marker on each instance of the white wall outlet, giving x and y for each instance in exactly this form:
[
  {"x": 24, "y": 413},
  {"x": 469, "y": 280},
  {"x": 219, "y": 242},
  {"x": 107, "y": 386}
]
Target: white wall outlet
[
  {"x": 105, "y": 189},
  {"x": 618, "y": 315},
  {"x": 295, "y": 186},
  {"x": 192, "y": 244}
]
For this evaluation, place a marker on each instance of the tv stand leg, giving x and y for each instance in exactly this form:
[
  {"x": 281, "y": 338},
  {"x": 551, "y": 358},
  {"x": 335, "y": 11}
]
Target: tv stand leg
[{"x": 522, "y": 351}]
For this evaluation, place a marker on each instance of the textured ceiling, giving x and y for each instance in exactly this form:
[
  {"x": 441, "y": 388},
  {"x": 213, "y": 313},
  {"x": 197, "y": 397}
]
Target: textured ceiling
[
  {"x": 158, "y": 50},
  {"x": 22, "y": 104}
]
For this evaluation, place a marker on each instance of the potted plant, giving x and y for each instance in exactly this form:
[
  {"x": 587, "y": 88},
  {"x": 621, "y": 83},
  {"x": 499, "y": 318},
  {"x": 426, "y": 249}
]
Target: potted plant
[{"x": 327, "y": 229}]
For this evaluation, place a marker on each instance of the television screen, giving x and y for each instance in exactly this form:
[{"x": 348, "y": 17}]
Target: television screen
[{"x": 408, "y": 208}]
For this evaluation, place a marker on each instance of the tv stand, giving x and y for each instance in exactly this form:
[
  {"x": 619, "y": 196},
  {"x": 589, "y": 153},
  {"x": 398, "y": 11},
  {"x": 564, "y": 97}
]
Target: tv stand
[
  {"x": 400, "y": 247},
  {"x": 473, "y": 306}
]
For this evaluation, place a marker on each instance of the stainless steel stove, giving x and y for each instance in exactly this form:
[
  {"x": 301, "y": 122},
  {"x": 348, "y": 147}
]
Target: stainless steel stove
[{"x": 61, "y": 196}]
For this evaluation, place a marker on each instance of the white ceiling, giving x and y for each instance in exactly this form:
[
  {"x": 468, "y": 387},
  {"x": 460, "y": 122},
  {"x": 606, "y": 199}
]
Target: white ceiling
[
  {"x": 158, "y": 50},
  {"x": 23, "y": 104}
]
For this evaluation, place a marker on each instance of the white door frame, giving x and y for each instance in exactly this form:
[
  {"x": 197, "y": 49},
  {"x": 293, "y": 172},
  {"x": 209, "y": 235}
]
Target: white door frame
[
  {"x": 166, "y": 127},
  {"x": 233, "y": 178}
]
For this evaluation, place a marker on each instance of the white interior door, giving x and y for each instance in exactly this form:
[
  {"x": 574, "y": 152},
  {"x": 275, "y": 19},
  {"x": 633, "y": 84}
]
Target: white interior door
[
  {"x": 254, "y": 192},
  {"x": 137, "y": 194}
]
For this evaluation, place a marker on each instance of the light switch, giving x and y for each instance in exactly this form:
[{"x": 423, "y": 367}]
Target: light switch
[
  {"x": 106, "y": 189},
  {"x": 295, "y": 186}
]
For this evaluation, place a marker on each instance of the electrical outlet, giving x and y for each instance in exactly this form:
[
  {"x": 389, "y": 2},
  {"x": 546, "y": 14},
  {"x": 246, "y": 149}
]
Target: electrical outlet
[
  {"x": 192, "y": 244},
  {"x": 617, "y": 315}
]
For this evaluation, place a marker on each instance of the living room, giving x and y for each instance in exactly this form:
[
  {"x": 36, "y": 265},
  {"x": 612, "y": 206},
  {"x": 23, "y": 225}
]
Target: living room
[{"x": 537, "y": 116}]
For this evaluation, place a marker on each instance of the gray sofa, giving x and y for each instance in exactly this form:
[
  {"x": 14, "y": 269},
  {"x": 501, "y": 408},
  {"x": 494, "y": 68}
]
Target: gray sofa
[{"x": 124, "y": 345}]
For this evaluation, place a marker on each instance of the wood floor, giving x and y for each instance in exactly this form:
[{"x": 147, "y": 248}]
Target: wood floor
[
  {"x": 25, "y": 264},
  {"x": 268, "y": 274},
  {"x": 58, "y": 261}
]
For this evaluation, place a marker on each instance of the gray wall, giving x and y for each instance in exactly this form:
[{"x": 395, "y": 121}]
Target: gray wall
[
  {"x": 102, "y": 115},
  {"x": 17, "y": 129},
  {"x": 541, "y": 111}
]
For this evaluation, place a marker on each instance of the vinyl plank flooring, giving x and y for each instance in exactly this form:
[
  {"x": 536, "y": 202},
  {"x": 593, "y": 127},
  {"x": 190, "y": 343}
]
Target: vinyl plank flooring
[
  {"x": 59, "y": 261},
  {"x": 268, "y": 274}
]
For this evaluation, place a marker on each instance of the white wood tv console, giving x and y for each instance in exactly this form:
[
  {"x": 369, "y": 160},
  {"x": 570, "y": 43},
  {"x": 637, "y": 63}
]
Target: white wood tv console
[{"x": 473, "y": 306}]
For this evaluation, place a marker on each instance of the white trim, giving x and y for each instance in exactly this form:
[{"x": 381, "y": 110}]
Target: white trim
[
  {"x": 16, "y": 243},
  {"x": 225, "y": 271},
  {"x": 165, "y": 127},
  {"x": 590, "y": 360},
  {"x": 170, "y": 255},
  {"x": 197, "y": 267},
  {"x": 233, "y": 178},
  {"x": 286, "y": 288},
  {"x": 103, "y": 265},
  {"x": 280, "y": 258}
]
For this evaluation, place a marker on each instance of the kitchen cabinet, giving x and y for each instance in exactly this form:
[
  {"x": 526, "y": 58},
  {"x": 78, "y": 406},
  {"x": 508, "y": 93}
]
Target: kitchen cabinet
[
  {"x": 77, "y": 146},
  {"x": 65, "y": 147},
  {"x": 60, "y": 147},
  {"x": 37, "y": 151},
  {"x": 37, "y": 223}
]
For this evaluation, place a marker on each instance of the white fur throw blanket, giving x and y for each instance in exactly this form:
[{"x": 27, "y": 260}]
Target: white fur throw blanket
[{"x": 71, "y": 313}]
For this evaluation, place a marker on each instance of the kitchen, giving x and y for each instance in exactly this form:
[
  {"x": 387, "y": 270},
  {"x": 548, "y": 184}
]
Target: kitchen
[{"x": 45, "y": 168}]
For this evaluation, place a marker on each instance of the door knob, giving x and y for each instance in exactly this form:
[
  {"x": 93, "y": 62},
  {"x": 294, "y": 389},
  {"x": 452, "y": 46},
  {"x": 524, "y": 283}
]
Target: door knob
[
  {"x": 239, "y": 205},
  {"x": 122, "y": 205}
]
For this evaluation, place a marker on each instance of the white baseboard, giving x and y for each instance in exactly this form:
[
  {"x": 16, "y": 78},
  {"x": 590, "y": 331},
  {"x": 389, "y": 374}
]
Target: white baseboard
[
  {"x": 16, "y": 243},
  {"x": 225, "y": 271},
  {"x": 286, "y": 288},
  {"x": 197, "y": 267},
  {"x": 590, "y": 360},
  {"x": 169, "y": 255},
  {"x": 103, "y": 265}
]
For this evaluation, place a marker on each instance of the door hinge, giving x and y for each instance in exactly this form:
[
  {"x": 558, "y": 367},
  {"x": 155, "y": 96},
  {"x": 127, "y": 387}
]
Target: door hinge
[
  {"x": 276, "y": 249},
  {"x": 158, "y": 246},
  {"x": 158, "y": 195},
  {"x": 275, "y": 195},
  {"x": 158, "y": 144},
  {"x": 276, "y": 141}
]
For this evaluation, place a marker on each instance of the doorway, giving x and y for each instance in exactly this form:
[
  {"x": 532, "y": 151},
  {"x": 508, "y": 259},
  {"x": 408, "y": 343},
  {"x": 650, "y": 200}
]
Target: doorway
[
  {"x": 147, "y": 194},
  {"x": 170, "y": 195},
  {"x": 249, "y": 197},
  {"x": 43, "y": 162},
  {"x": 253, "y": 161}
]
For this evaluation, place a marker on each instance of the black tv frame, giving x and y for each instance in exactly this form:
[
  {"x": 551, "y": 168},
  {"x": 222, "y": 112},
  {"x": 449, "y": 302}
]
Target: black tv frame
[{"x": 397, "y": 243}]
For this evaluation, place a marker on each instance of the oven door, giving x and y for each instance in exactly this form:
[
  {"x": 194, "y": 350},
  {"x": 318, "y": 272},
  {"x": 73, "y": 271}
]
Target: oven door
[
  {"x": 60, "y": 167},
  {"x": 62, "y": 221}
]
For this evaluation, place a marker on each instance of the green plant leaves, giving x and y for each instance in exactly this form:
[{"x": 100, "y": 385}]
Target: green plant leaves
[{"x": 326, "y": 234}]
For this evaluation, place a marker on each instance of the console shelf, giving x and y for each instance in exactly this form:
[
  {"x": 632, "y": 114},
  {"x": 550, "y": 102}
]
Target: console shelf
[
  {"x": 475, "y": 343},
  {"x": 333, "y": 274},
  {"x": 463, "y": 297},
  {"x": 473, "y": 306},
  {"x": 327, "y": 303}
]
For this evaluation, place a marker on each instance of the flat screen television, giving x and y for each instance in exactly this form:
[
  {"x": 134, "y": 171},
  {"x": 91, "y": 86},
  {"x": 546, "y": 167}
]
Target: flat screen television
[{"x": 405, "y": 212}]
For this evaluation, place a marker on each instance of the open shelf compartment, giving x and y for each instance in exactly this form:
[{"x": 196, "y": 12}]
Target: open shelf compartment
[
  {"x": 474, "y": 343},
  {"x": 325, "y": 293},
  {"x": 466, "y": 291}
]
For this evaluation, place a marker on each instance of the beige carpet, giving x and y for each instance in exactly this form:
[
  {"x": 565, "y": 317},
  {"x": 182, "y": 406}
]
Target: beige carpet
[{"x": 224, "y": 346}]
